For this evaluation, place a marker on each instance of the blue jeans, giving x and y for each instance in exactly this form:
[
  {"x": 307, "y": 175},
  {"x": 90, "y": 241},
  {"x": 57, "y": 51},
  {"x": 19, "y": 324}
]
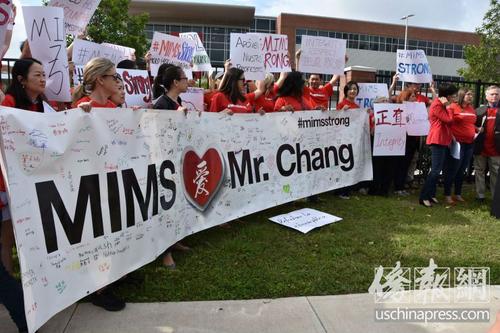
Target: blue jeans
[
  {"x": 455, "y": 169},
  {"x": 438, "y": 156},
  {"x": 11, "y": 295}
]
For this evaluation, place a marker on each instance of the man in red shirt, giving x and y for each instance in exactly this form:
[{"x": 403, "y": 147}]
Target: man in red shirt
[
  {"x": 487, "y": 145},
  {"x": 318, "y": 94},
  {"x": 416, "y": 87}
]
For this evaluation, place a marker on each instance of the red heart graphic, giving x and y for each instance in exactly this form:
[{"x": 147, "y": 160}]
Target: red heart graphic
[{"x": 202, "y": 177}]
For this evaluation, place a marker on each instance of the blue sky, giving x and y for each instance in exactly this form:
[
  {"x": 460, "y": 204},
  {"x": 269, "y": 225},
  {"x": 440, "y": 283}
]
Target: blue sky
[{"x": 462, "y": 15}]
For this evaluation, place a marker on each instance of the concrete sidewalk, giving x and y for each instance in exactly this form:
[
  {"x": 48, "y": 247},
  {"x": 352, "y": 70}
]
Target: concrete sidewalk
[{"x": 314, "y": 314}]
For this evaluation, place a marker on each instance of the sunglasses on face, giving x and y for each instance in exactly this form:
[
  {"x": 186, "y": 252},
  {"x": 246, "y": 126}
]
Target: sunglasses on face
[{"x": 116, "y": 76}]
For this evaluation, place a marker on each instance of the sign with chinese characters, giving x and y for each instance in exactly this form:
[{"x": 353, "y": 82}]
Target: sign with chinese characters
[
  {"x": 245, "y": 54},
  {"x": 368, "y": 92},
  {"x": 418, "y": 119},
  {"x": 83, "y": 51},
  {"x": 305, "y": 220},
  {"x": 96, "y": 195},
  {"x": 201, "y": 61},
  {"x": 77, "y": 14},
  {"x": 412, "y": 66},
  {"x": 47, "y": 41},
  {"x": 390, "y": 130},
  {"x": 322, "y": 55},
  {"x": 168, "y": 49}
]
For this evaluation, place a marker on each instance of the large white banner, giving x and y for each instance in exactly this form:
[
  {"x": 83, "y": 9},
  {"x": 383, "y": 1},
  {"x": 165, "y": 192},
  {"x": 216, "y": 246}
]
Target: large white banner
[
  {"x": 137, "y": 86},
  {"x": 77, "y": 14},
  {"x": 412, "y": 66},
  {"x": 47, "y": 41},
  {"x": 96, "y": 195},
  {"x": 246, "y": 54},
  {"x": 83, "y": 51},
  {"x": 171, "y": 50},
  {"x": 322, "y": 55},
  {"x": 368, "y": 92},
  {"x": 201, "y": 61},
  {"x": 390, "y": 129}
]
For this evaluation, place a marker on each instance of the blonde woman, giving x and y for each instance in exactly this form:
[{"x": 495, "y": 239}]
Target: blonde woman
[{"x": 100, "y": 82}]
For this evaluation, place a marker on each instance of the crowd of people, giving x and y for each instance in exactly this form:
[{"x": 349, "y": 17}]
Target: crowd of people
[{"x": 453, "y": 122}]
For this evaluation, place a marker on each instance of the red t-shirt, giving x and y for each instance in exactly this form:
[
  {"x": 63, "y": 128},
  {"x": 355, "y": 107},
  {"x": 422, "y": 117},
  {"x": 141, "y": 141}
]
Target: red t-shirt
[
  {"x": 423, "y": 99},
  {"x": 207, "y": 98},
  {"x": 319, "y": 96},
  {"x": 265, "y": 101},
  {"x": 489, "y": 148},
  {"x": 221, "y": 102},
  {"x": 463, "y": 126},
  {"x": 94, "y": 104},
  {"x": 297, "y": 105},
  {"x": 345, "y": 102},
  {"x": 11, "y": 102}
]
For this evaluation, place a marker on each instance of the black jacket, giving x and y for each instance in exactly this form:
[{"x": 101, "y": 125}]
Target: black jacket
[{"x": 479, "y": 142}]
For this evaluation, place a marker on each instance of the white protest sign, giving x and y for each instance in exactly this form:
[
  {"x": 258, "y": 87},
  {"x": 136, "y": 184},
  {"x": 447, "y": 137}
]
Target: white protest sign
[
  {"x": 137, "y": 86},
  {"x": 77, "y": 75},
  {"x": 83, "y": 51},
  {"x": 201, "y": 61},
  {"x": 246, "y": 54},
  {"x": 168, "y": 49},
  {"x": 412, "y": 66},
  {"x": 77, "y": 14},
  {"x": 368, "y": 92},
  {"x": 417, "y": 118},
  {"x": 390, "y": 130},
  {"x": 5, "y": 16},
  {"x": 96, "y": 195},
  {"x": 127, "y": 52},
  {"x": 274, "y": 48},
  {"x": 305, "y": 220},
  {"x": 193, "y": 99},
  {"x": 47, "y": 41},
  {"x": 322, "y": 55}
]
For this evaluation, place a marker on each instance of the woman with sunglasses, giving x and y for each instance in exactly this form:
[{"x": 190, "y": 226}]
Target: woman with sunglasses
[
  {"x": 175, "y": 82},
  {"x": 231, "y": 97},
  {"x": 100, "y": 82}
]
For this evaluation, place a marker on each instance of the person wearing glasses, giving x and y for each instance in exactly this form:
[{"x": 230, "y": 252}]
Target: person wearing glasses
[
  {"x": 100, "y": 82},
  {"x": 175, "y": 82},
  {"x": 231, "y": 97},
  {"x": 439, "y": 140}
]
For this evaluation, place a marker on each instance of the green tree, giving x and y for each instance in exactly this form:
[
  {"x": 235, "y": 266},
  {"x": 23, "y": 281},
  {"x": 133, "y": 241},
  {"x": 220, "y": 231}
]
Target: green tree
[
  {"x": 112, "y": 23},
  {"x": 483, "y": 60}
]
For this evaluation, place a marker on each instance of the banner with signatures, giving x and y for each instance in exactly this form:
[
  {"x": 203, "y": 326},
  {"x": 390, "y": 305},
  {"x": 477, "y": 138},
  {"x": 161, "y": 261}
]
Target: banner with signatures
[{"x": 96, "y": 195}]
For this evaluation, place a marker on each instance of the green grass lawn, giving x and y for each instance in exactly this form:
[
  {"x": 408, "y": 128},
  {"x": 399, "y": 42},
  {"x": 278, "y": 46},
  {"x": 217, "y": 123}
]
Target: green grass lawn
[{"x": 256, "y": 258}]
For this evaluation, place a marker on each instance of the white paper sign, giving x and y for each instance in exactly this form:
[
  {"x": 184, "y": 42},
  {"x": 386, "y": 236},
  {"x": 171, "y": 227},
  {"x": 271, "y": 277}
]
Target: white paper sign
[
  {"x": 96, "y": 195},
  {"x": 322, "y": 55},
  {"x": 77, "y": 75},
  {"x": 417, "y": 118},
  {"x": 127, "y": 52},
  {"x": 201, "y": 61},
  {"x": 137, "y": 86},
  {"x": 193, "y": 99},
  {"x": 246, "y": 54},
  {"x": 412, "y": 66},
  {"x": 368, "y": 92},
  {"x": 171, "y": 50},
  {"x": 5, "y": 17},
  {"x": 83, "y": 51},
  {"x": 390, "y": 130},
  {"x": 47, "y": 41},
  {"x": 305, "y": 220},
  {"x": 274, "y": 48},
  {"x": 77, "y": 14}
]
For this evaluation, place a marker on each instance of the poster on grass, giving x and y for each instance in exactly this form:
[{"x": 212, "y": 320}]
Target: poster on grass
[
  {"x": 305, "y": 220},
  {"x": 94, "y": 196}
]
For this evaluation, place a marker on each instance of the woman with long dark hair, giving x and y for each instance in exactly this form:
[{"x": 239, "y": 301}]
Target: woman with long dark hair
[
  {"x": 439, "y": 139},
  {"x": 291, "y": 94},
  {"x": 231, "y": 97},
  {"x": 175, "y": 82}
]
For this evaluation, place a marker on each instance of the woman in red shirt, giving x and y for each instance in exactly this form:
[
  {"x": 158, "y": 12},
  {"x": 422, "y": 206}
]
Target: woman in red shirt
[
  {"x": 464, "y": 130},
  {"x": 100, "y": 82},
  {"x": 231, "y": 97},
  {"x": 291, "y": 94},
  {"x": 439, "y": 138}
]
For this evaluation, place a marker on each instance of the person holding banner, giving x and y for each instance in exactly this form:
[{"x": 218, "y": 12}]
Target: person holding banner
[
  {"x": 439, "y": 139},
  {"x": 231, "y": 97},
  {"x": 175, "y": 82},
  {"x": 291, "y": 94},
  {"x": 464, "y": 131},
  {"x": 100, "y": 82}
]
